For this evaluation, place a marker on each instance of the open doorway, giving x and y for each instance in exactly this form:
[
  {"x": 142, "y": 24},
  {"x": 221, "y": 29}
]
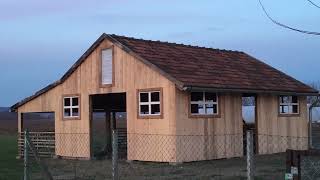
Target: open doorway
[
  {"x": 249, "y": 113},
  {"x": 38, "y": 122},
  {"x": 108, "y": 112},
  {"x": 41, "y": 127}
]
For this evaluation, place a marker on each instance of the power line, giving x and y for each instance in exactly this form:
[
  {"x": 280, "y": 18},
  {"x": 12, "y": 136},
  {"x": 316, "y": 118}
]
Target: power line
[
  {"x": 285, "y": 26},
  {"x": 314, "y": 4}
]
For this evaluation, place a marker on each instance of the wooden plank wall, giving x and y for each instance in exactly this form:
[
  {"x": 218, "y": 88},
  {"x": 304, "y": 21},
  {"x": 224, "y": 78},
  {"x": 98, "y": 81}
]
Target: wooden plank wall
[
  {"x": 209, "y": 138},
  {"x": 276, "y": 133}
]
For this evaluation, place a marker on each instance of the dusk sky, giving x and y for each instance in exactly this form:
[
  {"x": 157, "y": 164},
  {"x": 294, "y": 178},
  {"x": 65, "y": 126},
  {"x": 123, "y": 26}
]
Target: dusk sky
[{"x": 41, "y": 39}]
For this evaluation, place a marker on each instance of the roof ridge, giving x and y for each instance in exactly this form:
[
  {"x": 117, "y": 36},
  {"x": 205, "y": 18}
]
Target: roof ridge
[{"x": 177, "y": 44}]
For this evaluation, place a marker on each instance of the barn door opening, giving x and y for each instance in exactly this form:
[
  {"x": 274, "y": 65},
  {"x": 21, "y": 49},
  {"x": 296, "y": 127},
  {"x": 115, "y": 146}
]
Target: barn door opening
[
  {"x": 41, "y": 127},
  {"x": 108, "y": 112},
  {"x": 249, "y": 111}
]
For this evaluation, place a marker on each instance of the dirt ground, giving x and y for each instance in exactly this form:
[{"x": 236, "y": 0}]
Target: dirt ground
[{"x": 267, "y": 167}]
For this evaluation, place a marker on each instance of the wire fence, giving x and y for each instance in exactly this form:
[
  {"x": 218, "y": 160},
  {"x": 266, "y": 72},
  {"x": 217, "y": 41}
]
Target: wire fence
[
  {"x": 161, "y": 156},
  {"x": 310, "y": 167}
]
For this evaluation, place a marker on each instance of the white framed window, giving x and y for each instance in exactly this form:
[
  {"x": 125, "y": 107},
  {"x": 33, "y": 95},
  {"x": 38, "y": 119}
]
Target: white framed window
[
  {"x": 288, "y": 105},
  {"x": 204, "y": 103},
  {"x": 106, "y": 66},
  {"x": 150, "y": 103},
  {"x": 71, "y": 107}
]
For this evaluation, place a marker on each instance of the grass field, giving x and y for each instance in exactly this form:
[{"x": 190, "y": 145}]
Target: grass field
[
  {"x": 10, "y": 167},
  {"x": 267, "y": 167}
]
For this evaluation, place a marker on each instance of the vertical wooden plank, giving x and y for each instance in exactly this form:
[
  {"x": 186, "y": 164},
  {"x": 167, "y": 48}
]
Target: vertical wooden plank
[{"x": 20, "y": 122}]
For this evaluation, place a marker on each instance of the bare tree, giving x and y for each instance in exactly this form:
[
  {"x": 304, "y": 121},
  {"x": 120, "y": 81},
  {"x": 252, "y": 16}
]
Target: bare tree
[
  {"x": 248, "y": 101},
  {"x": 312, "y": 99}
]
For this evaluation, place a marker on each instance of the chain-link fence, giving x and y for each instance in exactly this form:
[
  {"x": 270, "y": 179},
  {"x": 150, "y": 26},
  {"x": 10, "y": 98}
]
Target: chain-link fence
[
  {"x": 310, "y": 167},
  {"x": 270, "y": 154},
  {"x": 303, "y": 164},
  {"x": 163, "y": 156},
  {"x": 71, "y": 158}
]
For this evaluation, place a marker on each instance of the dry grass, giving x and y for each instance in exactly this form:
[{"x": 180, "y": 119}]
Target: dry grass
[{"x": 267, "y": 167}]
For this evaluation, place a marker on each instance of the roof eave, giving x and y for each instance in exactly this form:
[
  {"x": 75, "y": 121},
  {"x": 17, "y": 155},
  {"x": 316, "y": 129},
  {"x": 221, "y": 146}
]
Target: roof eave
[{"x": 213, "y": 89}]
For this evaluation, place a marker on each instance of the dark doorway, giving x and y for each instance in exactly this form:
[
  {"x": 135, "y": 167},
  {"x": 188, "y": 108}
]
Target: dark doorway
[
  {"x": 41, "y": 127},
  {"x": 108, "y": 112},
  {"x": 38, "y": 121},
  {"x": 249, "y": 113}
]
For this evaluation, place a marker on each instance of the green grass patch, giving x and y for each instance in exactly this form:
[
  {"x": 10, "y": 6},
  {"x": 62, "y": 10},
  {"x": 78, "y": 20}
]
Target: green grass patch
[{"x": 10, "y": 167}]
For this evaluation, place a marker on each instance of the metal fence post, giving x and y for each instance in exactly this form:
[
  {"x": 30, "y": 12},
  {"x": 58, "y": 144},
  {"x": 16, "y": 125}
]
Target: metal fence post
[
  {"x": 115, "y": 175},
  {"x": 26, "y": 154},
  {"x": 310, "y": 128},
  {"x": 250, "y": 158}
]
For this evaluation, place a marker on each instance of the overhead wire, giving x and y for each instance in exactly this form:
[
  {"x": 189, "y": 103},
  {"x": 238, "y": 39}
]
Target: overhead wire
[
  {"x": 283, "y": 25},
  {"x": 314, "y": 4}
]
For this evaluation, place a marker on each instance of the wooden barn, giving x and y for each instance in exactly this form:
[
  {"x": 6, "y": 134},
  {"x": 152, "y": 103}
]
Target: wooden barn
[{"x": 172, "y": 98}]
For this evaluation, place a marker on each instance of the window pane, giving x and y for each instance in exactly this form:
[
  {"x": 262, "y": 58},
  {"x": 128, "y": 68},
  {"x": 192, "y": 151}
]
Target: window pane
[
  {"x": 75, "y": 111},
  {"x": 66, "y": 101},
  {"x": 286, "y": 99},
  {"x": 285, "y": 109},
  {"x": 155, "y": 97},
  {"x": 67, "y": 112},
  {"x": 75, "y": 101},
  {"x": 211, "y": 97},
  {"x": 295, "y": 109},
  {"x": 155, "y": 109},
  {"x": 106, "y": 66},
  {"x": 215, "y": 109},
  {"x": 144, "y": 109},
  {"x": 194, "y": 109},
  {"x": 144, "y": 97},
  {"x": 196, "y": 96},
  {"x": 294, "y": 99},
  {"x": 209, "y": 108},
  {"x": 201, "y": 109},
  {"x": 197, "y": 109}
]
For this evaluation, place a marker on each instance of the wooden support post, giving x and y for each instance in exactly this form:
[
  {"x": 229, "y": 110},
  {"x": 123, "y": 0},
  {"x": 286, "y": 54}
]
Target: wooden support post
[
  {"x": 20, "y": 128},
  {"x": 90, "y": 128},
  {"x": 108, "y": 131},
  {"x": 20, "y": 122},
  {"x": 113, "y": 120}
]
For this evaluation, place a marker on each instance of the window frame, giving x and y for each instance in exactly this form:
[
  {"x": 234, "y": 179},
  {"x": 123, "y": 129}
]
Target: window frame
[
  {"x": 71, "y": 107},
  {"x": 149, "y": 103},
  {"x": 100, "y": 68},
  {"x": 214, "y": 115},
  {"x": 288, "y": 104}
]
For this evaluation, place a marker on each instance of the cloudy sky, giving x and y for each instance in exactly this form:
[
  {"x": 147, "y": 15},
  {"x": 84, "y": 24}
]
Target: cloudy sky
[{"x": 41, "y": 39}]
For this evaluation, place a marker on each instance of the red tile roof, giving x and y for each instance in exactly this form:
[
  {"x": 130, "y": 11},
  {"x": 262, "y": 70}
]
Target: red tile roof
[
  {"x": 213, "y": 68},
  {"x": 197, "y": 67}
]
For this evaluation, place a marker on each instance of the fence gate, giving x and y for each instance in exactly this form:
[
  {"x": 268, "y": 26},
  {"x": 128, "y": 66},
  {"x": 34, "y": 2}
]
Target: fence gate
[{"x": 44, "y": 143}]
